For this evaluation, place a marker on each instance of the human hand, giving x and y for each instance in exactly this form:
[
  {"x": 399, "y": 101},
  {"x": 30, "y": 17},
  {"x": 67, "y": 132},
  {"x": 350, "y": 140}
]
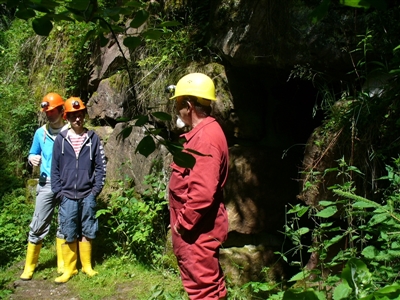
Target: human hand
[
  {"x": 35, "y": 160},
  {"x": 179, "y": 229}
]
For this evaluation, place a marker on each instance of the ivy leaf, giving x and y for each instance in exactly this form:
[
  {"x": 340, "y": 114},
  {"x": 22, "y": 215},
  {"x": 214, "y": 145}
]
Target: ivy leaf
[
  {"x": 132, "y": 42},
  {"x": 146, "y": 146},
  {"x": 162, "y": 116},
  {"x": 42, "y": 26}
]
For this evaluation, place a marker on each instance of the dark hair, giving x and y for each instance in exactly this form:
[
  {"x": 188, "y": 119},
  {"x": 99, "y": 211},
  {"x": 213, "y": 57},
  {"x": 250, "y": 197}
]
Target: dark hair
[{"x": 201, "y": 109}]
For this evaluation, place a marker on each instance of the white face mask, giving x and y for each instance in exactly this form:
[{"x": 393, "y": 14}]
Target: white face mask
[{"x": 179, "y": 122}]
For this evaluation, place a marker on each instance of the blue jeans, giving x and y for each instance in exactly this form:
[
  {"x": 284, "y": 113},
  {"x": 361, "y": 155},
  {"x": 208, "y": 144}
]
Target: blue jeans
[
  {"x": 77, "y": 218},
  {"x": 44, "y": 211}
]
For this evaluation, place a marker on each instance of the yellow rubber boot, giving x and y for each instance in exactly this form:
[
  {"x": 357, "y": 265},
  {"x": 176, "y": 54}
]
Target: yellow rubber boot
[
  {"x": 85, "y": 253},
  {"x": 60, "y": 260},
  {"x": 70, "y": 256},
  {"x": 32, "y": 256}
]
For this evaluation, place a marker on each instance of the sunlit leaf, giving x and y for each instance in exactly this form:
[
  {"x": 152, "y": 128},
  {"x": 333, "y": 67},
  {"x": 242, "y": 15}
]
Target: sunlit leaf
[
  {"x": 146, "y": 146},
  {"x": 342, "y": 291},
  {"x": 300, "y": 276},
  {"x": 139, "y": 19},
  {"x": 327, "y": 212},
  {"x": 42, "y": 26}
]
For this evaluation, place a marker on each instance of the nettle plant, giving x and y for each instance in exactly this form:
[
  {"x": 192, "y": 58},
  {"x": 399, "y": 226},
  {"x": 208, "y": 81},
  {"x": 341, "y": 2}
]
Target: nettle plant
[
  {"x": 136, "y": 223},
  {"x": 369, "y": 242}
]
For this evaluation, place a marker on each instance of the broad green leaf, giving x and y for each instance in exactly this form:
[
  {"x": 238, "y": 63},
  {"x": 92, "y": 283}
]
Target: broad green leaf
[
  {"x": 139, "y": 19},
  {"x": 362, "y": 204},
  {"x": 302, "y": 230},
  {"x": 79, "y": 4},
  {"x": 369, "y": 252},
  {"x": 155, "y": 131},
  {"x": 42, "y": 26},
  {"x": 162, "y": 116},
  {"x": 103, "y": 40},
  {"x": 25, "y": 14},
  {"x": 146, "y": 146},
  {"x": 395, "y": 288},
  {"x": 320, "y": 12},
  {"x": 342, "y": 291},
  {"x": 61, "y": 17},
  {"x": 326, "y": 203},
  {"x": 327, "y": 212},
  {"x": 376, "y": 219},
  {"x": 152, "y": 34},
  {"x": 117, "y": 29},
  {"x": 296, "y": 208},
  {"x": 132, "y": 42},
  {"x": 124, "y": 133},
  {"x": 184, "y": 160},
  {"x": 300, "y": 294},
  {"x": 300, "y": 276},
  {"x": 169, "y": 24},
  {"x": 142, "y": 120},
  {"x": 135, "y": 4}
]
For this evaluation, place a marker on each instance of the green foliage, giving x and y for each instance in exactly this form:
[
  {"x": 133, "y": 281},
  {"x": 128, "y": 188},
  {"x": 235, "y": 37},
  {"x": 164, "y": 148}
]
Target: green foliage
[
  {"x": 365, "y": 231},
  {"x": 15, "y": 217},
  {"x": 137, "y": 223}
]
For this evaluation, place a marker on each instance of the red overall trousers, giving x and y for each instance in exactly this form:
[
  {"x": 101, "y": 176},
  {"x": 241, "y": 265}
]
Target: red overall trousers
[{"x": 197, "y": 210}]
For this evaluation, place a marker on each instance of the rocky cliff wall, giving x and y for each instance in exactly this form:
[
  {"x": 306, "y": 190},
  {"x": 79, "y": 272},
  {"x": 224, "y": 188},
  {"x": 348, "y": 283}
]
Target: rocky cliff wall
[{"x": 265, "y": 111}]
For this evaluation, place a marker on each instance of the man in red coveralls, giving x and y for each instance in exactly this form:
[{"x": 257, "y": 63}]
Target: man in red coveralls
[{"x": 199, "y": 219}]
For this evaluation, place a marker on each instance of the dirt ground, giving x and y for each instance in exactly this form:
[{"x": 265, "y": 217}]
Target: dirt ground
[{"x": 38, "y": 288}]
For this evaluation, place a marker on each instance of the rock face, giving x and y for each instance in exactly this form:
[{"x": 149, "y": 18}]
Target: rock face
[{"x": 267, "y": 118}]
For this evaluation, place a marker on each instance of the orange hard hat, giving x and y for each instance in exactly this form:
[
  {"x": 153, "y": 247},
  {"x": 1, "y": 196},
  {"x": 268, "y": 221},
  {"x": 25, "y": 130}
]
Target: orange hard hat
[
  {"x": 73, "y": 104},
  {"x": 51, "y": 101}
]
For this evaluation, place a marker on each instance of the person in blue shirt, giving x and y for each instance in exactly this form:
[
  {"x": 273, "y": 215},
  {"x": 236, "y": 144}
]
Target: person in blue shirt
[
  {"x": 40, "y": 154},
  {"x": 78, "y": 173}
]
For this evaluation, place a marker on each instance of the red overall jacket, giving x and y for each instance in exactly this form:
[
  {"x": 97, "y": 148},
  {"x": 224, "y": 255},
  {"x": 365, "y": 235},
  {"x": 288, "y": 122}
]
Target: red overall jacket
[{"x": 196, "y": 205}]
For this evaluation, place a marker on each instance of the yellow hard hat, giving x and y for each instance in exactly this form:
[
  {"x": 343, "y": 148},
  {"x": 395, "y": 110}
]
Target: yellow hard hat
[{"x": 195, "y": 84}]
